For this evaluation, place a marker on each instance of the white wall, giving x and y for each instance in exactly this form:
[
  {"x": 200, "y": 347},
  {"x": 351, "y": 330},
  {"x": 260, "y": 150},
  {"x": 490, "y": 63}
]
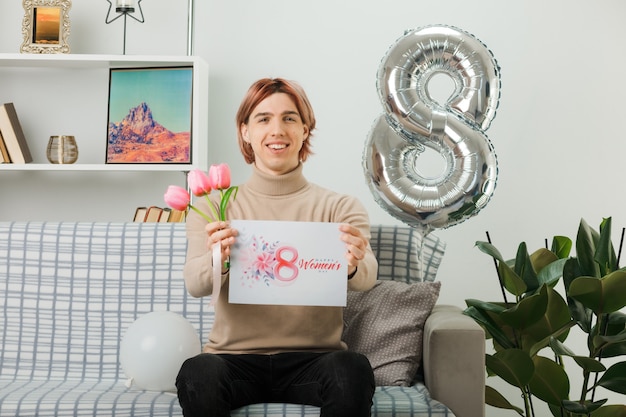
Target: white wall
[{"x": 558, "y": 131}]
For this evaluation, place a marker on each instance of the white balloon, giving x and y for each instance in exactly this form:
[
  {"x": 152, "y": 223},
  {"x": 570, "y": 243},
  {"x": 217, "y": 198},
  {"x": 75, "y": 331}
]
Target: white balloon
[{"x": 154, "y": 348}]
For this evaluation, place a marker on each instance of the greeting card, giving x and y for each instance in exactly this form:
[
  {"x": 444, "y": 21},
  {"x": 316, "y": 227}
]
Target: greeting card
[{"x": 288, "y": 263}]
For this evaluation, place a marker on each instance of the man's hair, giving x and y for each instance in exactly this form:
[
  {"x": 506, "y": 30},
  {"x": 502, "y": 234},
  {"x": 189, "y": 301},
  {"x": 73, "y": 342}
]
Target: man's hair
[{"x": 261, "y": 90}]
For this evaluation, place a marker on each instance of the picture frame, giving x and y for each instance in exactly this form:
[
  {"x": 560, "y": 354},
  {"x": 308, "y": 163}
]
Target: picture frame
[
  {"x": 46, "y": 26},
  {"x": 150, "y": 115}
]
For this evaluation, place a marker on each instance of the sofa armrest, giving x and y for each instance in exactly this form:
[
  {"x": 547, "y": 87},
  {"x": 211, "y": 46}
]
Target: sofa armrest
[{"x": 454, "y": 361}]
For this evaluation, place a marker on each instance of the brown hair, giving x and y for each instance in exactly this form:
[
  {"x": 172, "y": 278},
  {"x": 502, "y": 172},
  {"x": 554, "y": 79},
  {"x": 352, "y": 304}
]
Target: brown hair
[{"x": 258, "y": 92}]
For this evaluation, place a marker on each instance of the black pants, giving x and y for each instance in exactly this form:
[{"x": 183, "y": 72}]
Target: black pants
[{"x": 340, "y": 383}]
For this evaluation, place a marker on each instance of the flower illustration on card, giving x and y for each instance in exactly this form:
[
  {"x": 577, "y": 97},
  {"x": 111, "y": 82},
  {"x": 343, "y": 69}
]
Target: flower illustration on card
[
  {"x": 267, "y": 263},
  {"x": 263, "y": 264}
]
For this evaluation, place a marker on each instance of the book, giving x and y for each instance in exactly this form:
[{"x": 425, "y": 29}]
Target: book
[
  {"x": 154, "y": 214},
  {"x": 158, "y": 214},
  {"x": 13, "y": 135},
  {"x": 4, "y": 153},
  {"x": 140, "y": 214},
  {"x": 176, "y": 216},
  {"x": 165, "y": 215}
]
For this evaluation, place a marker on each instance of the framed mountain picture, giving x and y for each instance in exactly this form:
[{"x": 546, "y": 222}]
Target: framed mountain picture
[{"x": 149, "y": 116}]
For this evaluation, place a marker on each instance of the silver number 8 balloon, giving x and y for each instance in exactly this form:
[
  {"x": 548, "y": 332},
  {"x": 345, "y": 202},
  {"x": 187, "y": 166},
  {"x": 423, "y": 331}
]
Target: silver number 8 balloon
[{"x": 414, "y": 121}]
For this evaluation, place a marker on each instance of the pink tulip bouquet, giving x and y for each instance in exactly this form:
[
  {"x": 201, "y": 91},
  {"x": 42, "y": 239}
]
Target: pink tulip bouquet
[{"x": 201, "y": 184}]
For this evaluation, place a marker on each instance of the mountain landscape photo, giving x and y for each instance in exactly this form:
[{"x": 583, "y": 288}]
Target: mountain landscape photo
[{"x": 138, "y": 138}]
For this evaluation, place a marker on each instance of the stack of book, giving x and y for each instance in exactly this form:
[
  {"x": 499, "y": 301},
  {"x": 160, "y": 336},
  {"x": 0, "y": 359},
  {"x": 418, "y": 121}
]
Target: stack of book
[
  {"x": 13, "y": 146},
  {"x": 158, "y": 214}
]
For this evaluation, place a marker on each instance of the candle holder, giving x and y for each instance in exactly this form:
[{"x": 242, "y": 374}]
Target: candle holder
[
  {"x": 124, "y": 8},
  {"x": 62, "y": 149}
]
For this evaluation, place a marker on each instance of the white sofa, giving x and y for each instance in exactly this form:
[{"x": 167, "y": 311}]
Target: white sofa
[{"x": 68, "y": 292}]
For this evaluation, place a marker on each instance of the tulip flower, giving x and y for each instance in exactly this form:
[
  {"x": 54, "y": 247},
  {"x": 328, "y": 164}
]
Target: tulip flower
[
  {"x": 177, "y": 197},
  {"x": 219, "y": 179},
  {"x": 199, "y": 182},
  {"x": 219, "y": 176}
]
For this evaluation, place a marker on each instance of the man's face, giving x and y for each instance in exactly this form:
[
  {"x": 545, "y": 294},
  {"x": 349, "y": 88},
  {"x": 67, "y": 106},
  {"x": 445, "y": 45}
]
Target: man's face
[{"x": 276, "y": 133}]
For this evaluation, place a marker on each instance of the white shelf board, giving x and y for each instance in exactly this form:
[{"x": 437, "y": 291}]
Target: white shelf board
[
  {"x": 96, "y": 167},
  {"x": 91, "y": 60}
]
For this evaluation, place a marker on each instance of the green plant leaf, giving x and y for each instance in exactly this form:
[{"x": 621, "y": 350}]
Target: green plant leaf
[
  {"x": 605, "y": 254},
  {"x": 528, "y": 311},
  {"x": 495, "y": 399},
  {"x": 582, "y": 409},
  {"x": 524, "y": 268},
  {"x": 485, "y": 305},
  {"x": 604, "y": 295},
  {"x": 507, "y": 276},
  {"x": 512, "y": 365},
  {"x": 549, "y": 382},
  {"x": 618, "y": 321},
  {"x": 552, "y": 272},
  {"x": 559, "y": 348},
  {"x": 557, "y": 411},
  {"x": 561, "y": 246},
  {"x": 541, "y": 258},
  {"x": 490, "y": 250},
  {"x": 618, "y": 410},
  {"x": 545, "y": 342},
  {"x": 606, "y": 341},
  {"x": 614, "y": 379},
  {"x": 232, "y": 191},
  {"x": 511, "y": 281},
  {"x": 554, "y": 323},
  {"x": 586, "y": 241},
  {"x": 479, "y": 311},
  {"x": 589, "y": 364},
  {"x": 616, "y": 327},
  {"x": 586, "y": 363},
  {"x": 582, "y": 315}
]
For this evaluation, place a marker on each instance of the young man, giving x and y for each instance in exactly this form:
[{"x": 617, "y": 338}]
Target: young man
[{"x": 277, "y": 353}]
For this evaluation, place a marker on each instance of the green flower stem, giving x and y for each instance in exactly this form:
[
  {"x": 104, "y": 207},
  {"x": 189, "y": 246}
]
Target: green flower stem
[
  {"x": 222, "y": 215},
  {"x": 212, "y": 207},
  {"x": 201, "y": 213}
]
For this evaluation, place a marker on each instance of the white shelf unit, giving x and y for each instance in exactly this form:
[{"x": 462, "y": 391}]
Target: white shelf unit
[{"x": 70, "y": 92}]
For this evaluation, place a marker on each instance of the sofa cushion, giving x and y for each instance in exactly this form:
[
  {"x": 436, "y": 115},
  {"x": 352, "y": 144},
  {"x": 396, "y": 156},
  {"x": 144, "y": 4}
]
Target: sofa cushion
[
  {"x": 54, "y": 398},
  {"x": 386, "y": 324},
  {"x": 414, "y": 401},
  {"x": 404, "y": 254}
]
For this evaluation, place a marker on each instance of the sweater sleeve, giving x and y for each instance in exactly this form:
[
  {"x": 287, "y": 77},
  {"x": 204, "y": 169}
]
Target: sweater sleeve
[
  {"x": 366, "y": 273},
  {"x": 198, "y": 269},
  {"x": 353, "y": 212}
]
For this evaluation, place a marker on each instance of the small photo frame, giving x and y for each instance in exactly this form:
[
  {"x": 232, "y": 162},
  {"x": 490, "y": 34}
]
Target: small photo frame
[
  {"x": 150, "y": 115},
  {"x": 46, "y": 26}
]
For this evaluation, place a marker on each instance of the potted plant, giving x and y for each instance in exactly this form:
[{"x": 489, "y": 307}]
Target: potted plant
[{"x": 529, "y": 330}]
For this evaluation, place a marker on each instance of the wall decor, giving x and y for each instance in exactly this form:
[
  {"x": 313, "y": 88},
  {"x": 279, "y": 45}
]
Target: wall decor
[
  {"x": 150, "y": 115},
  {"x": 46, "y": 26},
  {"x": 414, "y": 125}
]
